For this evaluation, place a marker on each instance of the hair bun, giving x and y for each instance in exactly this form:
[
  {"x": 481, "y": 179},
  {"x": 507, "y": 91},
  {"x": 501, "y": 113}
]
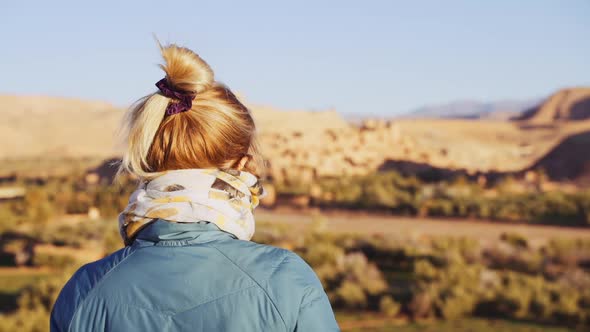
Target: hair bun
[{"x": 185, "y": 70}]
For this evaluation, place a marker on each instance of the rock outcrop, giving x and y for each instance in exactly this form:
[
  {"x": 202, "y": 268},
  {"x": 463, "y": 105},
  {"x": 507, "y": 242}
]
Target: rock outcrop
[{"x": 565, "y": 105}]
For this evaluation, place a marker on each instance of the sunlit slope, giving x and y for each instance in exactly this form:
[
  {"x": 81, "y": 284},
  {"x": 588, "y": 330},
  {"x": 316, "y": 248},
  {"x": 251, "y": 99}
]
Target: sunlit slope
[{"x": 303, "y": 145}]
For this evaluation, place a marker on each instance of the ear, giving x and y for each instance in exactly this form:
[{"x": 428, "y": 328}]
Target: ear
[{"x": 243, "y": 162}]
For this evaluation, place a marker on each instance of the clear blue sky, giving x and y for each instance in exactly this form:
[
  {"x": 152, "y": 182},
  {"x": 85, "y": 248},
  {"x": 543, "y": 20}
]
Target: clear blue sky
[{"x": 383, "y": 57}]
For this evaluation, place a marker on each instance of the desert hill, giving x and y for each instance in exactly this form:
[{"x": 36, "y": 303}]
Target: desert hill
[
  {"x": 303, "y": 145},
  {"x": 565, "y": 105},
  {"x": 38, "y": 126},
  {"x": 453, "y": 144},
  {"x": 568, "y": 160}
]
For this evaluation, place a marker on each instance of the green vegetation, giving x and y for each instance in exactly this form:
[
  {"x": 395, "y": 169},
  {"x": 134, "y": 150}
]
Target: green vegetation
[
  {"x": 55, "y": 197},
  {"x": 448, "y": 278},
  {"x": 13, "y": 285},
  {"x": 506, "y": 200},
  {"x": 46, "y": 165},
  {"x": 438, "y": 283},
  {"x": 464, "y": 325},
  {"x": 34, "y": 304}
]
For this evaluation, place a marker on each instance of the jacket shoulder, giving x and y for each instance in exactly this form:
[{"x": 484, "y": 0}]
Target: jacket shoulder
[
  {"x": 298, "y": 290},
  {"x": 80, "y": 285},
  {"x": 288, "y": 281},
  {"x": 294, "y": 285},
  {"x": 265, "y": 262}
]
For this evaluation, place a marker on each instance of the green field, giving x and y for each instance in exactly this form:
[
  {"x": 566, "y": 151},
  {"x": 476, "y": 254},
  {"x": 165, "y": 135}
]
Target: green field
[
  {"x": 11, "y": 284},
  {"x": 466, "y": 325},
  {"x": 369, "y": 323}
]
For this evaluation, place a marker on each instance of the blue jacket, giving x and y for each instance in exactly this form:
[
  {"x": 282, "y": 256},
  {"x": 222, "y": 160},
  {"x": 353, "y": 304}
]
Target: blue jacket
[{"x": 193, "y": 277}]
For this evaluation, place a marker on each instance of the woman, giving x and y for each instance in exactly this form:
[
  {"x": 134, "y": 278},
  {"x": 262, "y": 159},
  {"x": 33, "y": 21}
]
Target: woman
[{"x": 188, "y": 263}]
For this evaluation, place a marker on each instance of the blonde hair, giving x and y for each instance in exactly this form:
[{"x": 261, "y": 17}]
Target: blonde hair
[{"x": 217, "y": 132}]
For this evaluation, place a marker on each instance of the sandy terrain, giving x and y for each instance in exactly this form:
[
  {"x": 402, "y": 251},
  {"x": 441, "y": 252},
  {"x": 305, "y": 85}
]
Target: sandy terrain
[
  {"x": 364, "y": 223},
  {"x": 304, "y": 145}
]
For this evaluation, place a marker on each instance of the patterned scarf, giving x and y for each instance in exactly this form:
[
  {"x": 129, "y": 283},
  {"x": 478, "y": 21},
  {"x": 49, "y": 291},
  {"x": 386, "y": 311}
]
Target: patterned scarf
[{"x": 226, "y": 198}]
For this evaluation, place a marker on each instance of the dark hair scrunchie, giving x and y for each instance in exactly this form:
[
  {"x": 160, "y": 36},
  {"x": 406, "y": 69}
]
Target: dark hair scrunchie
[{"x": 185, "y": 99}]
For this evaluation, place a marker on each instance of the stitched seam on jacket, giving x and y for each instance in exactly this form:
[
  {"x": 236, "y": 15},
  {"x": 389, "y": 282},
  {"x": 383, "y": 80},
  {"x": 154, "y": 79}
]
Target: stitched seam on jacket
[
  {"x": 309, "y": 303},
  {"x": 96, "y": 285},
  {"x": 174, "y": 313},
  {"x": 215, "y": 299},
  {"x": 256, "y": 282}
]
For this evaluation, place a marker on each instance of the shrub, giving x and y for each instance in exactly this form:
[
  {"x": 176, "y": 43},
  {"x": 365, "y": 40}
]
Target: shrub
[
  {"x": 425, "y": 271},
  {"x": 515, "y": 240},
  {"x": 54, "y": 261},
  {"x": 460, "y": 198},
  {"x": 25, "y": 320},
  {"x": 323, "y": 253},
  {"x": 351, "y": 295},
  {"x": 455, "y": 302},
  {"x": 388, "y": 306},
  {"x": 38, "y": 208},
  {"x": 80, "y": 203},
  {"x": 421, "y": 305},
  {"x": 35, "y": 303},
  {"x": 8, "y": 218}
]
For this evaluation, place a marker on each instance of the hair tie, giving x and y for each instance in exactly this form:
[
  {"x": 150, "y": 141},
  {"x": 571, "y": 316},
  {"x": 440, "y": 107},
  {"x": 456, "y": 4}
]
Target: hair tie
[{"x": 185, "y": 99}]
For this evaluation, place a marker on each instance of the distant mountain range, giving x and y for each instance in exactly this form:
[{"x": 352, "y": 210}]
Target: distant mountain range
[
  {"x": 471, "y": 109},
  {"x": 460, "y": 109}
]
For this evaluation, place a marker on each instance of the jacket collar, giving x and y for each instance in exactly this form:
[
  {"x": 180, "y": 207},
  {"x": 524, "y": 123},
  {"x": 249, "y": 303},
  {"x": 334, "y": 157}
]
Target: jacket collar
[{"x": 167, "y": 233}]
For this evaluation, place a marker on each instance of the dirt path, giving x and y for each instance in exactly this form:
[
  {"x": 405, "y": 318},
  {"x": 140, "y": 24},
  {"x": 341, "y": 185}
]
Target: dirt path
[{"x": 364, "y": 223}]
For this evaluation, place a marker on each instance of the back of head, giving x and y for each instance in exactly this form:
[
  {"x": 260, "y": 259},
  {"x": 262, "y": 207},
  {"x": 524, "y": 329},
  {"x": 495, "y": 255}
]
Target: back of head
[{"x": 216, "y": 132}]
